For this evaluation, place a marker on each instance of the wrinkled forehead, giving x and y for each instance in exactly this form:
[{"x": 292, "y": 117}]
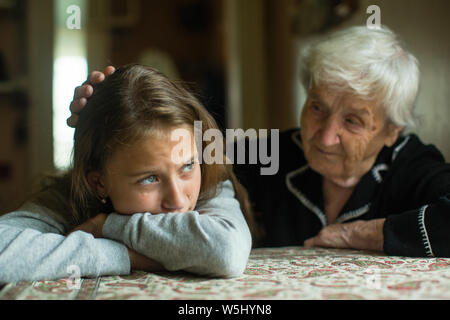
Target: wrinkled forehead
[{"x": 346, "y": 99}]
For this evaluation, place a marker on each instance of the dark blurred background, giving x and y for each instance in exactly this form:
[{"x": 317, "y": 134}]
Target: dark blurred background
[{"x": 239, "y": 56}]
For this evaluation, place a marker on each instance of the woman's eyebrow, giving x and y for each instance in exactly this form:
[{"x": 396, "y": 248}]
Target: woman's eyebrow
[
  {"x": 359, "y": 111},
  {"x": 319, "y": 99}
]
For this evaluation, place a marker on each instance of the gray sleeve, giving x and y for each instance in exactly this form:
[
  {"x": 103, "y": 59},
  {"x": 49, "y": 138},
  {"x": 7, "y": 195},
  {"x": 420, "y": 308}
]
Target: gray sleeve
[
  {"x": 33, "y": 247},
  {"x": 214, "y": 240}
]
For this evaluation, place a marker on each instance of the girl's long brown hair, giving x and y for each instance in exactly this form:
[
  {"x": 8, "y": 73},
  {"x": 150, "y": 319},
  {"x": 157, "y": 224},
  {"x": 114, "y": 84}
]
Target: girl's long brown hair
[{"x": 131, "y": 102}]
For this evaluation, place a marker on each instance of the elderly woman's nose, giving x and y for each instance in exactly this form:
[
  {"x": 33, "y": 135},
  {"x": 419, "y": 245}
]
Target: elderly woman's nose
[{"x": 330, "y": 132}]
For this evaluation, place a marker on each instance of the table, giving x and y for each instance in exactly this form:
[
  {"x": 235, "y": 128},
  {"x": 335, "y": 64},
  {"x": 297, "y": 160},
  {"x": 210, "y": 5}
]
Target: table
[{"x": 290, "y": 273}]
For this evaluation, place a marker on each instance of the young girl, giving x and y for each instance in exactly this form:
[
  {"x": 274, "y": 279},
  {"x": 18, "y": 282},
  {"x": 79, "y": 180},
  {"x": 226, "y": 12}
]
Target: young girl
[{"x": 126, "y": 203}]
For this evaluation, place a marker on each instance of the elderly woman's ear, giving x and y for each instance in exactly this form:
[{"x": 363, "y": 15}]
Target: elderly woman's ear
[{"x": 393, "y": 131}]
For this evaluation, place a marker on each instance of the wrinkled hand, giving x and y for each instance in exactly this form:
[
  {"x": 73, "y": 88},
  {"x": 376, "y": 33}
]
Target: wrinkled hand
[
  {"x": 83, "y": 92},
  {"x": 361, "y": 235},
  {"x": 93, "y": 226}
]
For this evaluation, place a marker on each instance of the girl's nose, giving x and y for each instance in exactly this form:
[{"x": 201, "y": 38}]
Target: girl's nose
[{"x": 174, "y": 199}]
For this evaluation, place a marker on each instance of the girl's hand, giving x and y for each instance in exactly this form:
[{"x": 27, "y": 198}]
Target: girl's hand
[
  {"x": 138, "y": 261},
  {"x": 142, "y": 263},
  {"x": 361, "y": 235},
  {"x": 83, "y": 92},
  {"x": 93, "y": 226}
]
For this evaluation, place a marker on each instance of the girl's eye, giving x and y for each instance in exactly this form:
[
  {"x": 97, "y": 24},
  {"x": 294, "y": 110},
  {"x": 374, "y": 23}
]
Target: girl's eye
[
  {"x": 188, "y": 167},
  {"x": 148, "y": 180}
]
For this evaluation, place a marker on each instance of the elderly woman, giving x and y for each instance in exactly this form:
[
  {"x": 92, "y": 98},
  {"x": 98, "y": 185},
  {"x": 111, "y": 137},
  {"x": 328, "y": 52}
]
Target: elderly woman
[{"x": 349, "y": 178}]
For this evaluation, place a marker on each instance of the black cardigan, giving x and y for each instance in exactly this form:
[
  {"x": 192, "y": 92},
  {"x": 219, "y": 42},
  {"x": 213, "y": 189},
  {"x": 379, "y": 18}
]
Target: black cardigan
[{"x": 409, "y": 185}]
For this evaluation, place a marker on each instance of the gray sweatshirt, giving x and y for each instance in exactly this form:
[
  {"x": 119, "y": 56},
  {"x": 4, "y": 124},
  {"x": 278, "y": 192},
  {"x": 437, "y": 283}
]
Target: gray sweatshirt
[{"x": 214, "y": 241}]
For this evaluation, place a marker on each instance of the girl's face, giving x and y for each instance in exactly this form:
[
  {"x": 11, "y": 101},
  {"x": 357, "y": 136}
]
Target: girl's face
[{"x": 152, "y": 176}]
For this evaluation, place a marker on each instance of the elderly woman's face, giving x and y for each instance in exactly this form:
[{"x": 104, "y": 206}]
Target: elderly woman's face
[{"x": 342, "y": 135}]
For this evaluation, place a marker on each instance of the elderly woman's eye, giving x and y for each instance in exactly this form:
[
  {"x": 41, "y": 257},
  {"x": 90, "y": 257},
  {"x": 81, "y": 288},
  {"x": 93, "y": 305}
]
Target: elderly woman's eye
[
  {"x": 353, "y": 122},
  {"x": 317, "y": 109}
]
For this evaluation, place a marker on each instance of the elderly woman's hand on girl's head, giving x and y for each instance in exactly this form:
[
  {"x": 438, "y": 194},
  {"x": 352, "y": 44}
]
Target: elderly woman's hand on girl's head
[
  {"x": 93, "y": 226},
  {"x": 83, "y": 92}
]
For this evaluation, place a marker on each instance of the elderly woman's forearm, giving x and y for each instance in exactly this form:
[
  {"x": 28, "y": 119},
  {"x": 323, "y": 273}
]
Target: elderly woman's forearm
[
  {"x": 422, "y": 232},
  {"x": 368, "y": 235}
]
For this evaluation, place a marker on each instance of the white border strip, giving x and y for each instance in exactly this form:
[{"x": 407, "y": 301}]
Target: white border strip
[
  {"x": 376, "y": 171},
  {"x": 297, "y": 140},
  {"x": 354, "y": 214},
  {"x": 400, "y": 147},
  {"x": 302, "y": 197},
  {"x": 423, "y": 230}
]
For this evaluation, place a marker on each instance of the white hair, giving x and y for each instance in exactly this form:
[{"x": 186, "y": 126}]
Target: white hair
[{"x": 368, "y": 62}]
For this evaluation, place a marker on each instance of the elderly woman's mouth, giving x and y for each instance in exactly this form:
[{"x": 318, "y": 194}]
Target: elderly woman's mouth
[{"x": 327, "y": 153}]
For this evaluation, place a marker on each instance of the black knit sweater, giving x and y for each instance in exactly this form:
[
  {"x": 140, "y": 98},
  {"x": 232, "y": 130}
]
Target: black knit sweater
[{"x": 409, "y": 185}]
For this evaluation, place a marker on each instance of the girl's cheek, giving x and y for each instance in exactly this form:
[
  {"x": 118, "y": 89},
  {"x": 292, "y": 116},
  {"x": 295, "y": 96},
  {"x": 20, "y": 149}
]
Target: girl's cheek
[
  {"x": 148, "y": 202},
  {"x": 130, "y": 203}
]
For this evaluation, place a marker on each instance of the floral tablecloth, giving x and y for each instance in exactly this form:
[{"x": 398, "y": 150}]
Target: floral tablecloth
[{"x": 295, "y": 273}]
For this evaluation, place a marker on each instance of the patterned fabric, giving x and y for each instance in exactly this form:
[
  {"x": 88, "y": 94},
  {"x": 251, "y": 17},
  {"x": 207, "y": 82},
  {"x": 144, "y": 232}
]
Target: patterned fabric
[{"x": 272, "y": 273}]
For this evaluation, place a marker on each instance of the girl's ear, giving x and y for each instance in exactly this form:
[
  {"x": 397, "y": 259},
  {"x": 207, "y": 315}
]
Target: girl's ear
[{"x": 95, "y": 181}]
